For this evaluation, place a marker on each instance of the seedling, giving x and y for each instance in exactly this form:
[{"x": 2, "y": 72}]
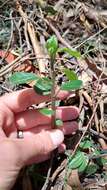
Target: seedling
[{"x": 47, "y": 85}]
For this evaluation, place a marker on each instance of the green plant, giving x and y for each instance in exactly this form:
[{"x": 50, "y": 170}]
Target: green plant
[
  {"x": 47, "y": 85},
  {"x": 87, "y": 159}
]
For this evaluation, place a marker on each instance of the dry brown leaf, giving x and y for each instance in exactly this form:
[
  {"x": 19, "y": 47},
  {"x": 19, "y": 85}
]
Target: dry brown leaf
[{"x": 73, "y": 180}]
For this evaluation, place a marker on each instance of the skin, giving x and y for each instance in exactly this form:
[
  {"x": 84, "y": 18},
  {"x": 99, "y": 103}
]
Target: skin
[{"x": 39, "y": 139}]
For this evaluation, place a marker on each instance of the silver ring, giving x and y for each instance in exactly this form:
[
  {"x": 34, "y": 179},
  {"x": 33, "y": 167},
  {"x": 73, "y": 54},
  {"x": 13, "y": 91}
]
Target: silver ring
[{"x": 20, "y": 134}]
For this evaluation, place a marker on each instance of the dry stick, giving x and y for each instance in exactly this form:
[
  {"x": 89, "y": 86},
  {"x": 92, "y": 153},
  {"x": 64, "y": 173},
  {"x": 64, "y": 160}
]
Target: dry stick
[
  {"x": 14, "y": 64},
  {"x": 5, "y": 88},
  {"x": 26, "y": 37},
  {"x": 19, "y": 32},
  {"x": 88, "y": 64},
  {"x": 89, "y": 100},
  {"x": 62, "y": 40},
  {"x": 102, "y": 114},
  {"x": 91, "y": 37},
  {"x": 87, "y": 127},
  {"x": 58, "y": 170},
  {"x": 45, "y": 186},
  {"x": 5, "y": 2},
  {"x": 100, "y": 135},
  {"x": 98, "y": 83},
  {"x": 35, "y": 43},
  {"x": 92, "y": 66},
  {"x": 96, "y": 133}
]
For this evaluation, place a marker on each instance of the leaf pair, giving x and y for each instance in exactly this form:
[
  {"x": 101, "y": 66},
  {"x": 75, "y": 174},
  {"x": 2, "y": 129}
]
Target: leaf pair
[
  {"x": 79, "y": 161},
  {"x": 42, "y": 85}
]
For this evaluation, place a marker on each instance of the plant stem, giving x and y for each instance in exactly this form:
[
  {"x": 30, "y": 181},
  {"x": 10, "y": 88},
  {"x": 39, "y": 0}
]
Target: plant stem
[{"x": 53, "y": 98}]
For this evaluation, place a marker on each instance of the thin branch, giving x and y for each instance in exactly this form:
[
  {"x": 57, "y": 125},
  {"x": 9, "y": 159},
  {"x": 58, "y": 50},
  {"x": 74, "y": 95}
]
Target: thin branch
[
  {"x": 60, "y": 38},
  {"x": 91, "y": 37},
  {"x": 5, "y": 2},
  {"x": 35, "y": 43},
  {"x": 13, "y": 64},
  {"x": 87, "y": 127},
  {"x": 53, "y": 98}
]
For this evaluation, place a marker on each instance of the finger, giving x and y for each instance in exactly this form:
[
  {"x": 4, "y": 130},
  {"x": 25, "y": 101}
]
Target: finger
[
  {"x": 38, "y": 159},
  {"x": 7, "y": 122},
  {"x": 67, "y": 113},
  {"x": 44, "y": 143},
  {"x": 61, "y": 148},
  {"x": 42, "y": 157},
  {"x": 31, "y": 118},
  {"x": 68, "y": 128},
  {"x": 22, "y": 99},
  {"x": 2, "y": 134}
]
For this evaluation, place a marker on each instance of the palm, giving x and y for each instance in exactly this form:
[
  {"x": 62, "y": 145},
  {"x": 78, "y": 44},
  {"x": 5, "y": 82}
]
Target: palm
[{"x": 37, "y": 132}]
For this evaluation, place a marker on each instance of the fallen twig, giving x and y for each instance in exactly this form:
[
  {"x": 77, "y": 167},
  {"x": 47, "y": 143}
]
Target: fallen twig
[
  {"x": 62, "y": 40},
  {"x": 87, "y": 127},
  {"x": 35, "y": 43},
  {"x": 13, "y": 64}
]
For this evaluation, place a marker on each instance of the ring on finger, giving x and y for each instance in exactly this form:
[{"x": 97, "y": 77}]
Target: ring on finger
[{"x": 20, "y": 134}]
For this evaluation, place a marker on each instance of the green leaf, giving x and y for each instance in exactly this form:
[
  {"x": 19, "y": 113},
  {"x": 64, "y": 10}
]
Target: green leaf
[
  {"x": 91, "y": 169},
  {"x": 22, "y": 77},
  {"x": 71, "y": 85},
  {"x": 43, "y": 86},
  {"x": 84, "y": 164},
  {"x": 72, "y": 53},
  {"x": 86, "y": 144},
  {"x": 59, "y": 122},
  {"x": 103, "y": 151},
  {"x": 104, "y": 175},
  {"x": 101, "y": 161},
  {"x": 76, "y": 161},
  {"x": 79, "y": 161},
  {"x": 52, "y": 46},
  {"x": 70, "y": 74},
  {"x": 50, "y": 10},
  {"x": 46, "y": 111}
]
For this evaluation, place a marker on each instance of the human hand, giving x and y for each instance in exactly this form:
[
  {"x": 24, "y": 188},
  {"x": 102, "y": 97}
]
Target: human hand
[{"x": 39, "y": 139}]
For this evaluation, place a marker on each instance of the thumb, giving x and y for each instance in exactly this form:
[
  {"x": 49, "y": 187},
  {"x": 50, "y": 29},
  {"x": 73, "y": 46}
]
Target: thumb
[{"x": 40, "y": 144}]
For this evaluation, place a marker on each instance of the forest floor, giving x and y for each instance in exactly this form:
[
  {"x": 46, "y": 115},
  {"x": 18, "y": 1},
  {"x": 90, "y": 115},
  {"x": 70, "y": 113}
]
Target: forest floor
[{"x": 25, "y": 26}]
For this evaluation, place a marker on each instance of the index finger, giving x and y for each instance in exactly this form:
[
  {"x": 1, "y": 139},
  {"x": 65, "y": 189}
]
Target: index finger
[{"x": 20, "y": 100}]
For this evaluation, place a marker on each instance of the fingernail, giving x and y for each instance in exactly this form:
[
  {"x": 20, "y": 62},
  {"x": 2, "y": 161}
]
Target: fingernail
[{"x": 57, "y": 137}]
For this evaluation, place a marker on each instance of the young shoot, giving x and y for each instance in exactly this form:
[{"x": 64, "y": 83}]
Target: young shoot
[{"x": 47, "y": 86}]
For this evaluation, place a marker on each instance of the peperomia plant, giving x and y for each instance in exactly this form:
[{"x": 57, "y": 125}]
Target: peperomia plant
[{"x": 47, "y": 85}]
